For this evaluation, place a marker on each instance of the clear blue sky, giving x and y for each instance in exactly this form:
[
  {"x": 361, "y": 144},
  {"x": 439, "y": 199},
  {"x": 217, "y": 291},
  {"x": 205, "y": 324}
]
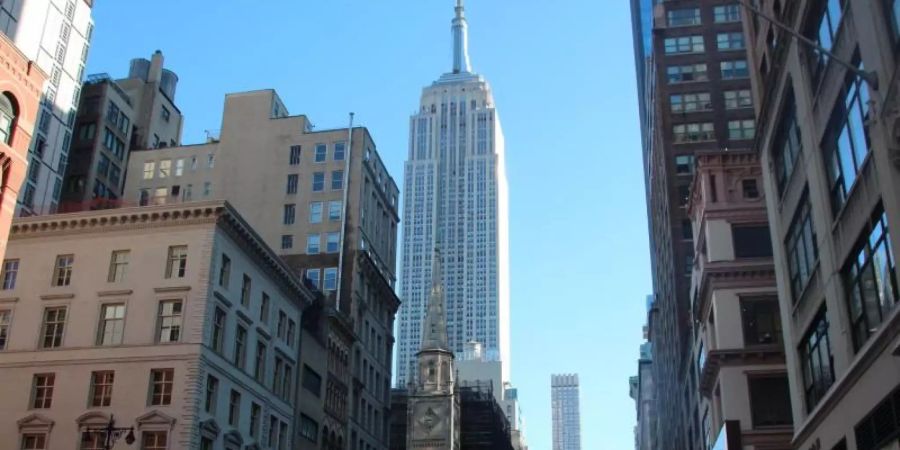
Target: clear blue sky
[{"x": 563, "y": 80}]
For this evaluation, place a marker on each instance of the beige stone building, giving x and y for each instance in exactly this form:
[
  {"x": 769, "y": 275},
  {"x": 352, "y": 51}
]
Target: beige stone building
[
  {"x": 828, "y": 143},
  {"x": 324, "y": 200},
  {"x": 737, "y": 368},
  {"x": 177, "y": 320}
]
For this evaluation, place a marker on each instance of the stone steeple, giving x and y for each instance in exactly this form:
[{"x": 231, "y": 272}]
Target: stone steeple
[{"x": 434, "y": 336}]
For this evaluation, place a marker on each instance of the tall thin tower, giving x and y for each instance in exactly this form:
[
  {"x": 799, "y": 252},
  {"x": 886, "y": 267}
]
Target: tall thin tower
[
  {"x": 566, "y": 412},
  {"x": 455, "y": 188}
]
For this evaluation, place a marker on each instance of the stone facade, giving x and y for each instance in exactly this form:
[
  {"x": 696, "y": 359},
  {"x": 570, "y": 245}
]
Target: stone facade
[
  {"x": 177, "y": 320},
  {"x": 21, "y": 82}
]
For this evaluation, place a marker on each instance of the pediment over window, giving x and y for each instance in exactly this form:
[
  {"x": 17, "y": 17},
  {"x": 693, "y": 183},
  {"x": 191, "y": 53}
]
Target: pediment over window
[
  {"x": 155, "y": 419},
  {"x": 234, "y": 438},
  {"x": 35, "y": 422},
  {"x": 210, "y": 429},
  {"x": 92, "y": 417}
]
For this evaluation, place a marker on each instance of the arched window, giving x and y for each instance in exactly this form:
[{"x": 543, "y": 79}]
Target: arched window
[{"x": 7, "y": 118}]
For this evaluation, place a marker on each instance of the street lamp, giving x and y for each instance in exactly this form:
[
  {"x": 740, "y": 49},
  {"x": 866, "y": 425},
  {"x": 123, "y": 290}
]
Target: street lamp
[{"x": 110, "y": 434}]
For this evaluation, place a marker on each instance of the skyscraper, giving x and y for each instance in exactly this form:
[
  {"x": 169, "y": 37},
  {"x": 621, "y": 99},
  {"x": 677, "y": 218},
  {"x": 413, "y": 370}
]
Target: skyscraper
[
  {"x": 455, "y": 187},
  {"x": 56, "y": 34},
  {"x": 566, "y": 412}
]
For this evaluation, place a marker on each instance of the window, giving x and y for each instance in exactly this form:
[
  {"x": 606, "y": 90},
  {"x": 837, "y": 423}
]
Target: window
[
  {"x": 318, "y": 182},
  {"x": 5, "y": 319},
  {"x": 313, "y": 277},
  {"x": 210, "y": 160},
  {"x": 169, "y": 321},
  {"x": 34, "y": 441},
  {"x": 333, "y": 243},
  {"x": 315, "y": 212},
  {"x": 218, "y": 330},
  {"x": 240, "y": 347},
  {"x": 160, "y": 195},
  {"x": 870, "y": 279},
  {"x": 42, "y": 390},
  {"x": 282, "y": 324},
  {"x": 246, "y": 287},
  {"x": 118, "y": 262},
  {"x": 688, "y": 103},
  {"x": 260, "y": 367},
  {"x": 802, "y": 251},
  {"x": 62, "y": 273},
  {"x": 761, "y": 321},
  {"x": 688, "y": 73},
  {"x": 255, "y": 415},
  {"x": 112, "y": 324},
  {"x": 339, "y": 150},
  {"x": 787, "y": 145},
  {"x": 9, "y": 273},
  {"x": 7, "y": 119},
  {"x": 165, "y": 167},
  {"x": 313, "y": 243},
  {"x": 103, "y": 165},
  {"x": 101, "y": 388},
  {"x": 53, "y": 327},
  {"x": 894, "y": 16},
  {"x": 277, "y": 377},
  {"x": 290, "y": 212},
  {"x": 287, "y": 242},
  {"x": 292, "y": 181},
  {"x": 693, "y": 132},
  {"x": 321, "y": 151},
  {"x": 337, "y": 180},
  {"x": 206, "y": 443},
  {"x": 176, "y": 261},
  {"x": 154, "y": 440},
  {"x": 294, "y": 159},
  {"x": 312, "y": 381},
  {"x": 824, "y": 33},
  {"x": 165, "y": 113},
  {"x": 734, "y": 69},
  {"x": 309, "y": 428},
  {"x": 730, "y": 41},
  {"x": 684, "y": 44},
  {"x": 881, "y": 427},
  {"x": 816, "y": 361},
  {"x": 224, "y": 271},
  {"x": 234, "y": 408},
  {"x": 770, "y": 401},
  {"x": 273, "y": 435},
  {"x": 207, "y": 189},
  {"x": 741, "y": 129},
  {"x": 212, "y": 394},
  {"x": 161, "y": 386},
  {"x": 749, "y": 188},
  {"x": 751, "y": 241},
  {"x": 738, "y": 99},
  {"x": 335, "y": 210},
  {"x": 684, "y": 164},
  {"x": 683, "y": 17},
  {"x": 330, "y": 279},
  {"x": 179, "y": 167},
  {"x": 291, "y": 332},
  {"x": 846, "y": 145},
  {"x": 264, "y": 309},
  {"x": 727, "y": 13}
]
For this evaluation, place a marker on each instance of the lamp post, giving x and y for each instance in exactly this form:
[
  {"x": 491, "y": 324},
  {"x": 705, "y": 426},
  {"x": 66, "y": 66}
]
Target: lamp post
[{"x": 110, "y": 434}]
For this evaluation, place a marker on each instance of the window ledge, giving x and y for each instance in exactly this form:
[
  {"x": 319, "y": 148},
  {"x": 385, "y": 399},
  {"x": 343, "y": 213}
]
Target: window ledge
[
  {"x": 801, "y": 297},
  {"x": 58, "y": 296}
]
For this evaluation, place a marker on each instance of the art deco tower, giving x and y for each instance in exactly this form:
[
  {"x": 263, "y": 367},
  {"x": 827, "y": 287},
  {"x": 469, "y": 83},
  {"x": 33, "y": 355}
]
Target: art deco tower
[{"x": 455, "y": 187}]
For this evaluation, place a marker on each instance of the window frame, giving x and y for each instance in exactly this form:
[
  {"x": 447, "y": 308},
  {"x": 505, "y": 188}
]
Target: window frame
[{"x": 818, "y": 329}]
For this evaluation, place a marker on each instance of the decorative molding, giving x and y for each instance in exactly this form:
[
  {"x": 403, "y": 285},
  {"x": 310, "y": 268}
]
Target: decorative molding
[
  {"x": 244, "y": 317},
  {"x": 170, "y": 289},
  {"x": 221, "y": 298},
  {"x": 93, "y": 417},
  {"x": 155, "y": 419},
  {"x": 57, "y": 296},
  {"x": 9, "y": 300},
  {"x": 35, "y": 422},
  {"x": 209, "y": 428},
  {"x": 118, "y": 293}
]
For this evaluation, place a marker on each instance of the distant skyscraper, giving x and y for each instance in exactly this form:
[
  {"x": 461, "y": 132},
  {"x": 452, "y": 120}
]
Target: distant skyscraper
[
  {"x": 455, "y": 185},
  {"x": 56, "y": 34},
  {"x": 566, "y": 412}
]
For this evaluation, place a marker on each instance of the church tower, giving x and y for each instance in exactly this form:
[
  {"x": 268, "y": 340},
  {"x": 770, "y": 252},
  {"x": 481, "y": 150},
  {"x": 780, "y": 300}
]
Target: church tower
[{"x": 433, "y": 408}]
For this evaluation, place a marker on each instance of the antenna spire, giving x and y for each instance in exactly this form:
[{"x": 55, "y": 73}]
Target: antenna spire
[{"x": 460, "y": 29}]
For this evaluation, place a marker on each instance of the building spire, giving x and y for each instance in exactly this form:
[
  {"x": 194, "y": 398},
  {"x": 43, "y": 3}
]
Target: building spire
[
  {"x": 460, "y": 40},
  {"x": 435, "y": 330}
]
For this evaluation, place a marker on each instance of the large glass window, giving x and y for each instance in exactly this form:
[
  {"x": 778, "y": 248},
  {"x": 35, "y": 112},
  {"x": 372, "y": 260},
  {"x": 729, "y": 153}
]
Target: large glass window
[
  {"x": 847, "y": 143},
  {"x": 802, "y": 250},
  {"x": 687, "y": 73},
  {"x": 53, "y": 327},
  {"x": 101, "y": 388},
  {"x": 161, "y": 381},
  {"x": 816, "y": 361},
  {"x": 741, "y": 129},
  {"x": 683, "y": 17},
  {"x": 112, "y": 324},
  {"x": 788, "y": 144},
  {"x": 870, "y": 279},
  {"x": 734, "y": 69},
  {"x": 751, "y": 241},
  {"x": 693, "y": 102},
  {"x": 761, "y": 321},
  {"x": 738, "y": 99},
  {"x": 693, "y": 132},
  {"x": 730, "y": 41},
  {"x": 825, "y": 32},
  {"x": 727, "y": 13},
  {"x": 684, "y": 44}
]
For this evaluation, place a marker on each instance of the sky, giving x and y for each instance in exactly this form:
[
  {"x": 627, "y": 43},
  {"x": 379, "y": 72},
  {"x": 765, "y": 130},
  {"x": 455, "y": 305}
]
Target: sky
[{"x": 563, "y": 79}]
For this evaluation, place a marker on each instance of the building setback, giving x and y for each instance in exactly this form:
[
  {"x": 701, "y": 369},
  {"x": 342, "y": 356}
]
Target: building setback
[
  {"x": 828, "y": 147},
  {"x": 56, "y": 35},
  {"x": 323, "y": 200},
  {"x": 114, "y": 118},
  {"x": 177, "y": 320},
  {"x": 456, "y": 193},
  {"x": 698, "y": 100},
  {"x": 21, "y": 84},
  {"x": 566, "y": 412}
]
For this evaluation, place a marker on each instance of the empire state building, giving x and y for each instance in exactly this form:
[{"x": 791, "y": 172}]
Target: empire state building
[{"x": 456, "y": 198}]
